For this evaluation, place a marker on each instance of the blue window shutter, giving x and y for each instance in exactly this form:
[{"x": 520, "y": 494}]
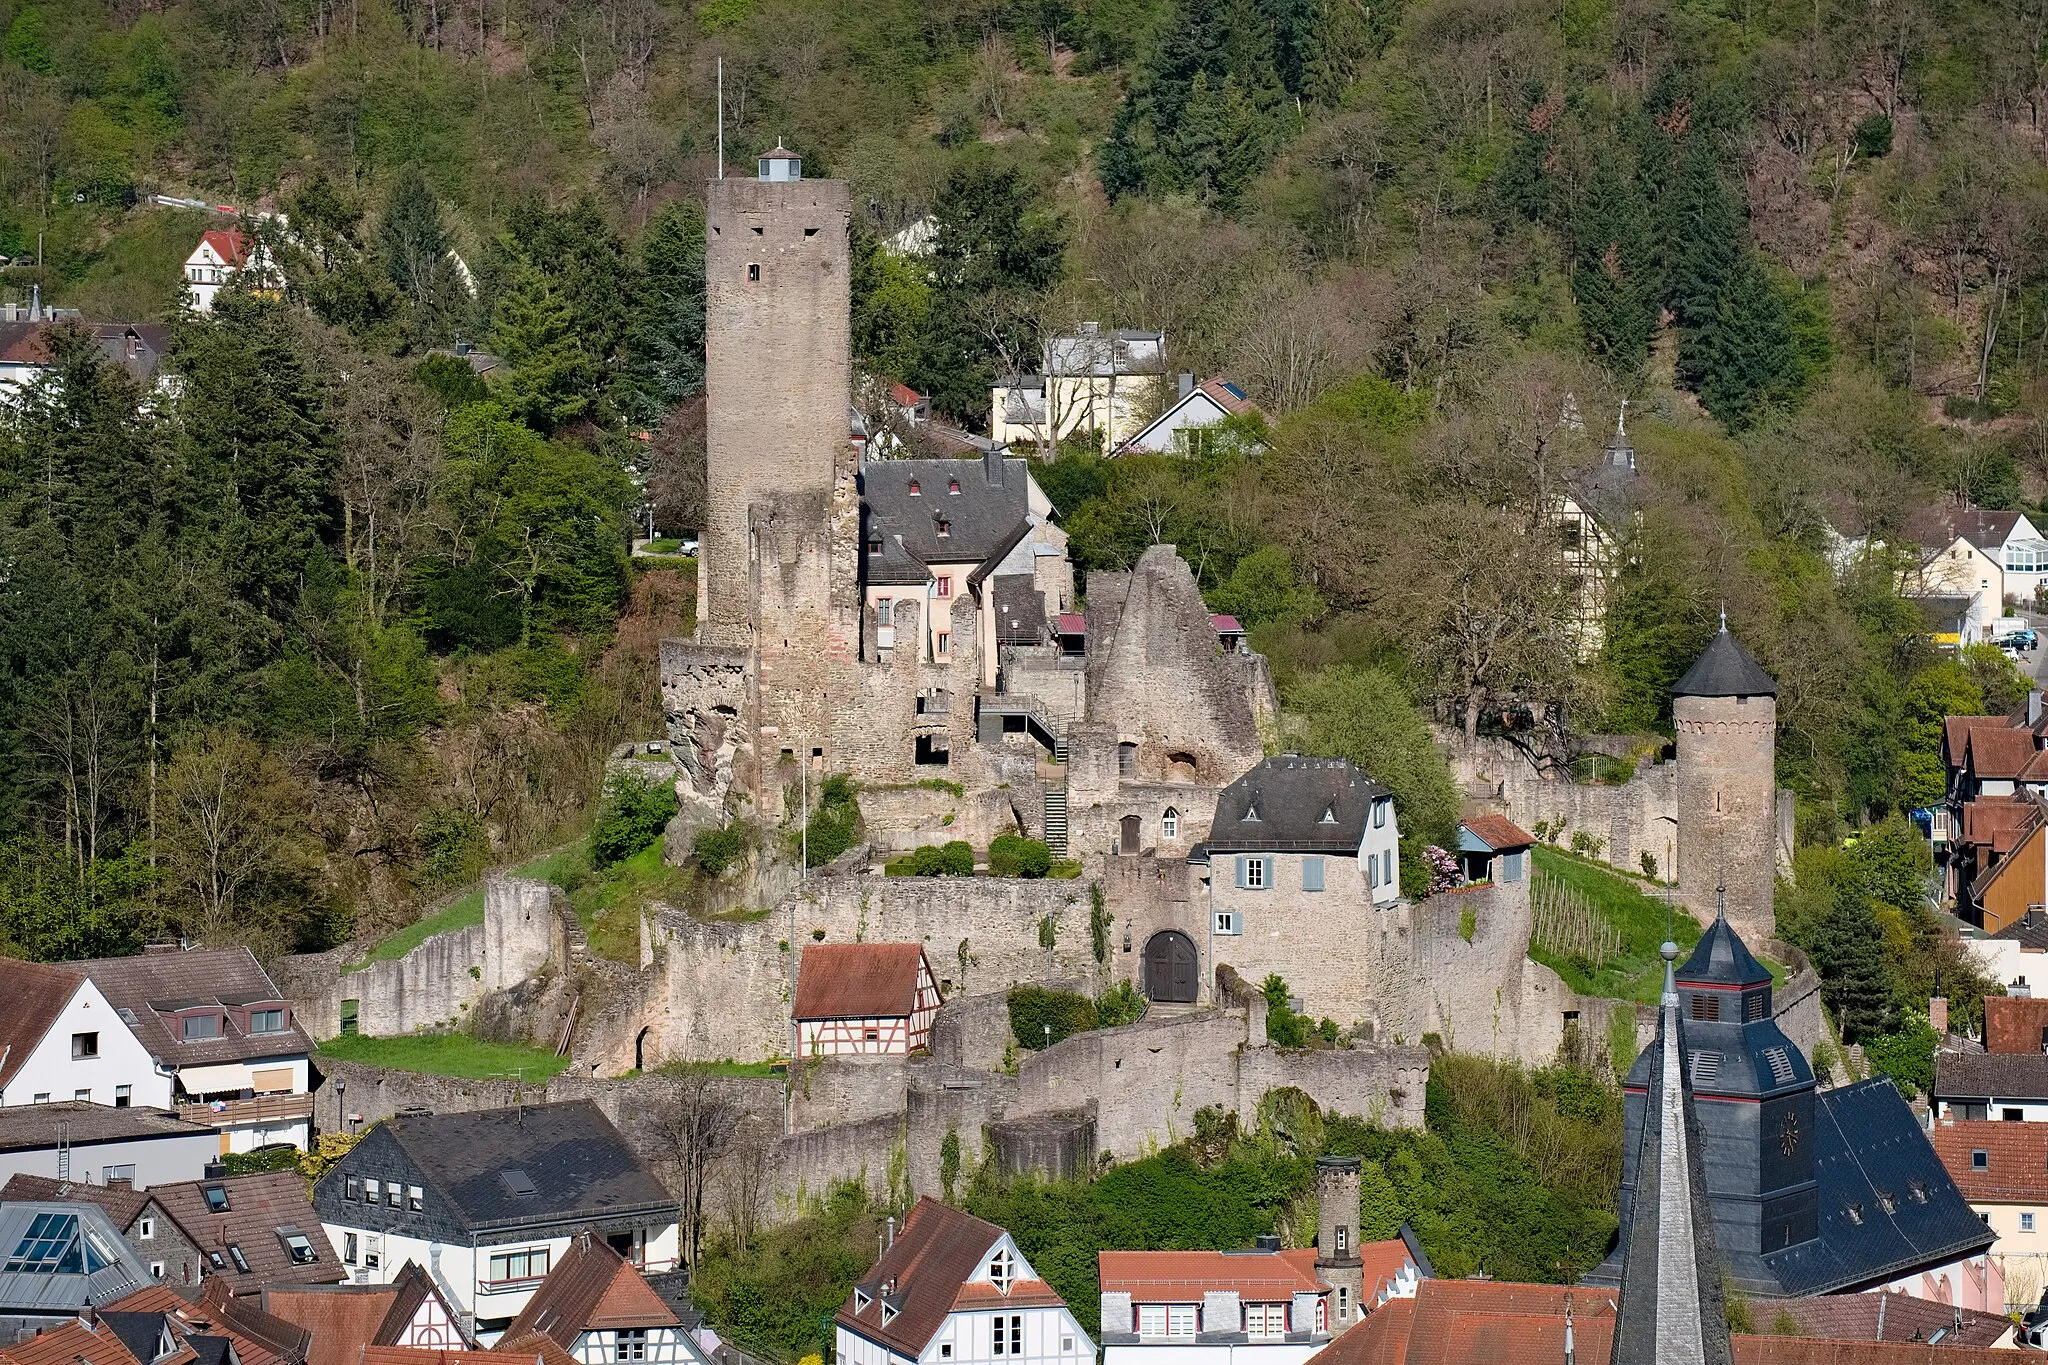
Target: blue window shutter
[
  {"x": 1372, "y": 870},
  {"x": 1240, "y": 871},
  {"x": 1311, "y": 874},
  {"x": 1513, "y": 872}
]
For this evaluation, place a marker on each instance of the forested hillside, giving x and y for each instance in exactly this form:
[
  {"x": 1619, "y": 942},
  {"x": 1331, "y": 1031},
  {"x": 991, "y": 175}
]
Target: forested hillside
[{"x": 291, "y": 645}]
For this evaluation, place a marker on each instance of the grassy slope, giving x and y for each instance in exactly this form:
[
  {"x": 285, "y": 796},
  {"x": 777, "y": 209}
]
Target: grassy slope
[
  {"x": 448, "y": 1054},
  {"x": 1637, "y": 973}
]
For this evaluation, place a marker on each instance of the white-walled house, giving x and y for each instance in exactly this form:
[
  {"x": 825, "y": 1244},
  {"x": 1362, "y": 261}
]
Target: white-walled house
[
  {"x": 1184, "y": 427},
  {"x": 62, "y": 1039},
  {"x": 1260, "y": 1307},
  {"x": 1295, "y": 829},
  {"x": 219, "y": 259},
  {"x": 954, "y": 1290},
  {"x": 491, "y": 1201},
  {"x": 864, "y": 1000},
  {"x": 98, "y": 1144},
  {"x": 217, "y": 1025},
  {"x": 601, "y": 1311}
]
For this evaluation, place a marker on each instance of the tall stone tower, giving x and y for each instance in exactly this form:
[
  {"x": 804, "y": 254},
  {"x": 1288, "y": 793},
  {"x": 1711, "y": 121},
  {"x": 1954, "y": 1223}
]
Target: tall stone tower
[
  {"x": 1337, "y": 1259},
  {"x": 1726, "y": 711},
  {"x": 777, "y": 358}
]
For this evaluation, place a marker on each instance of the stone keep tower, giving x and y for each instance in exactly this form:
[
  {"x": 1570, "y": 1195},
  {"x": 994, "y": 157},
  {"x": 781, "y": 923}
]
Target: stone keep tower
[
  {"x": 1726, "y": 712},
  {"x": 777, "y": 358},
  {"x": 1337, "y": 1259}
]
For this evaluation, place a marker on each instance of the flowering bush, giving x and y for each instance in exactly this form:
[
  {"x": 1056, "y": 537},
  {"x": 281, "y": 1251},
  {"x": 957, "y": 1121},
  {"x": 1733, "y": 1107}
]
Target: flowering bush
[{"x": 1443, "y": 869}]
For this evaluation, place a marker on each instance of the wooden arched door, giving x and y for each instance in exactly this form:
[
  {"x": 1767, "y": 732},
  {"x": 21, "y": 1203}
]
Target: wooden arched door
[
  {"x": 1129, "y": 836},
  {"x": 1172, "y": 971}
]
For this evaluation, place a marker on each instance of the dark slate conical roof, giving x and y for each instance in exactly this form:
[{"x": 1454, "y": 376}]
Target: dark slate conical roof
[
  {"x": 1722, "y": 959},
  {"x": 1725, "y": 670}
]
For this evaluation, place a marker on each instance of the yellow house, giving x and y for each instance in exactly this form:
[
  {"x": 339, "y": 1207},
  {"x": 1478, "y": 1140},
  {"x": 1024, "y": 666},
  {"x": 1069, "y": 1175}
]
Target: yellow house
[{"x": 1106, "y": 383}]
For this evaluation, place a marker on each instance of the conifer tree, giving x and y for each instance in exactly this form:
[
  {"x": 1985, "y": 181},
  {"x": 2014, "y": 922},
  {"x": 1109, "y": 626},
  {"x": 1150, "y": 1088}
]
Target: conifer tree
[
  {"x": 412, "y": 237},
  {"x": 667, "y": 343},
  {"x": 1614, "y": 274},
  {"x": 1703, "y": 242},
  {"x": 1742, "y": 358},
  {"x": 1855, "y": 983},
  {"x": 1337, "y": 39},
  {"x": 548, "y": 380}
]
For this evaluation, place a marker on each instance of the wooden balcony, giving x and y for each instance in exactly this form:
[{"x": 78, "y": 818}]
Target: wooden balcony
[{"x": 256, "y": 1109}]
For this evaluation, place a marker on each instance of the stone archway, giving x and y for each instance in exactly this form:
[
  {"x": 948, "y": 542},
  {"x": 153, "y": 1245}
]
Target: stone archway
[
  {"x": 640, "y": 1048},
  {"x": 1173, "y": 973}
]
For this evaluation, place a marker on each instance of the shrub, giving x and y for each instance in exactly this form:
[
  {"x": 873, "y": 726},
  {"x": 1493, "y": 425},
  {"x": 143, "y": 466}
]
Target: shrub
[
  {"x": 717, "y": 849},
  {"x": 1283, "y": 1026},
  {"x": 266, "y": 1159},
  {"x": 1033, "y": 1008},
  {"x": 835, "y": 825},
  {"x": 634, "y": 813},
  {"x": 1120, "y": 1004},
  {"x": 930, "y": 860},
  {"x": 1906, "y": 1056},
  {"x": 1013, "y": 855}
]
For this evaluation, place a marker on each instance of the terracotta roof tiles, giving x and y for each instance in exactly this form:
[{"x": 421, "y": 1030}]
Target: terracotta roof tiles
[
  {"x": 230, "y": 976},
  {"x": 262, "y": 1209},
  {"x": 858, "y": 981},
  {"x": 1498, "y": 832},
  {"x": 72, "y": 1343},
  {"x": 591, "y": 1288},
  {"x": 1998, "y": 753},
  {"x": 937, "y": 1251},
  {"x": 341, "y": 1321},
  {"x": 1154, "y": 1276},
  {"x": 1902, "y": 1317},
  {"x": 2015, "y": 1157},
  {"x": 32, "y": 995}
]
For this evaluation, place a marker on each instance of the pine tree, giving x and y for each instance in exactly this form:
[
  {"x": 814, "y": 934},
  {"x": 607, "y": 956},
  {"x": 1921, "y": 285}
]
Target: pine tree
[
  {"x": 1703, "y": 241},
  {"x": 549, "y": 380},
  {"x": 1337, "y": 40},
  {"x": 412, "y": 237},
  {"x": 1855, "y": 982},
  {"x": 1742, "y": 358},
  {"x": 1614, "y": 274},
  {"x": 667, "y": 345}
]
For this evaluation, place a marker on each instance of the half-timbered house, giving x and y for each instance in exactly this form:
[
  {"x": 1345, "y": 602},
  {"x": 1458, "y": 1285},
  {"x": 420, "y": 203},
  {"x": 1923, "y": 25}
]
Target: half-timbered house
[
  {"x": 864, "y": 1000},
  {"x": 601, "y": 1311}
]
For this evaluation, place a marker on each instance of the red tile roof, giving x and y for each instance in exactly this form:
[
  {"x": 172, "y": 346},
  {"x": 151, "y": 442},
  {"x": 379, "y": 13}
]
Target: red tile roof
[
  {"x": 427, "y": 1355},
  {"x": 261, "y": 1208},
  {"x": 146, "y": 982},
  {"x": 32, "y": 995},
  {"x": 2015, "y": 1154},
  {"x": 228, "y": 244},
  {"x": 1381, "y": 1262},
  {"x": 1071, "y": 623},
  {"x": 342, "y": 1323},
  {"x": 858, "y": 981},
  {"x": 1901, "y": 1317},
  {"x": 1183, "y": 1276},
  {"x": 1023, "y": 1294},
  {"x": 1955, "y": 731},
  {"x": 1228, "y": 396},
  {"x": 591, "y": 1288},
  {"x": 1997, "y": 821},
  {"x": 259, "y": 1338},
  {"x": 72, "y": 1343},
  {"x": 1226, "y": 625},
  {"x": 1996, "y": 752},
  {"x": 122, "y": 1202},
  {"x": 533, "y": 1344},
  {"x": 1499, "y": 833}
]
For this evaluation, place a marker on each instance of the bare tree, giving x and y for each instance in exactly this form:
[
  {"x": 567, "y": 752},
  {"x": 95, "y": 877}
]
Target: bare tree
[
  {"x": 690, "y": 1125},
  {"x": 744, "y": 1173}
]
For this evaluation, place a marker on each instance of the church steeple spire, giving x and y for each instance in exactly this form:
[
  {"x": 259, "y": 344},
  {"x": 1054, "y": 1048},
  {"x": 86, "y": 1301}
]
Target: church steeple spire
[{"x": 1671, "y": 1304}]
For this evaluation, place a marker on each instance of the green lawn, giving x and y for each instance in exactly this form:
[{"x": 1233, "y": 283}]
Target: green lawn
[
  {"x": 725, "y": 1068},
  {"x": 609, "y": 903},
  {"x": 556, "y": 867},
  {"x": 448, "y": 1054},
  {"x": 1636, "y": 971}
]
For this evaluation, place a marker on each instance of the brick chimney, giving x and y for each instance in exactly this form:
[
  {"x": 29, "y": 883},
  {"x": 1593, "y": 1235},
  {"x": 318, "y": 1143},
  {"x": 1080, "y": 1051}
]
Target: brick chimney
[{"x": 1937, "y": 1015}]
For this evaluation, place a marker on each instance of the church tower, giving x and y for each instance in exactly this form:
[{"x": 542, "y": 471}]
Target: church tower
[{"x": 1726, "y": 712}]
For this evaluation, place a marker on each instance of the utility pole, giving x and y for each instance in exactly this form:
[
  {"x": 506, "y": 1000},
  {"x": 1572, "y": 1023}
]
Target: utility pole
[{"x": 721, "y": 122}]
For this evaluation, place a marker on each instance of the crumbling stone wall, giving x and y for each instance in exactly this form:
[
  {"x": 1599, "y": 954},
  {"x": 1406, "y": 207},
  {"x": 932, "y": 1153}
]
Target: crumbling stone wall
[{"x": 1629, "y": 819}]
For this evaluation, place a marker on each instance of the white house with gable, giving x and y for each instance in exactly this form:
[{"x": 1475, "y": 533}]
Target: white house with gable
[
  {"x": 951, "y": 1288},
  {"x": 61, "y": 1039}
]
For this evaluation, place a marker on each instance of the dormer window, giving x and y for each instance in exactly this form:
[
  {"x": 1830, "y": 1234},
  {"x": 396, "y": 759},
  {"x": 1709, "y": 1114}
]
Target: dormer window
[
  {"x": 916, "y": 489},
  {"x": 1329, "y": 816},
  {"x": 953, "y": 487},
  {"x": 1251, "y": 814},
  {"x": 194, "y": 1027},
  {"x": 861, "y": 1299},
  {"x": 1002, "y": 1270},
  {"x": 945, "y": 528},
  {"x": 888, "y": 1312}
]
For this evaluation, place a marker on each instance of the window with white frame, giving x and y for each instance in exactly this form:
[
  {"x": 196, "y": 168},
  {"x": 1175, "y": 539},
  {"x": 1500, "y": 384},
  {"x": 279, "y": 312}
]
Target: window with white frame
[
  {"x": 1251, "y": 873},
  {"x": 348, "y": 1247},
  {"x": 2026, "y": 1222},
  {"x": 631, "y": 1344},
  {"x": 1002, "y": 1270},
  {"x": 1226, "y": 922},
  {"x": 1265, "y": 1320},
  {"x": 1007, "y": 1335},
  {"x": 514, "y": 1266},
  {"x": 1169, "y": 824},
  {"x": 1180, "y": 1319},
  {"x": 373, "y": 1251},
  {"x": 145, "y": 1228}
]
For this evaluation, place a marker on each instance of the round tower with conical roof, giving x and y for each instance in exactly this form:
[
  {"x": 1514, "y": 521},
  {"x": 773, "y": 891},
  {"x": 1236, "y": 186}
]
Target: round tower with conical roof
[{"x": 1726, "y": 712}]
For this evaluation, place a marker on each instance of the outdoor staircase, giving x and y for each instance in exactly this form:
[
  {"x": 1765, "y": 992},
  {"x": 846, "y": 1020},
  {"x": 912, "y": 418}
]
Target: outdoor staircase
[
  {"x": 1056, "y": 819},
  {"x": 1059, "y": 749}
]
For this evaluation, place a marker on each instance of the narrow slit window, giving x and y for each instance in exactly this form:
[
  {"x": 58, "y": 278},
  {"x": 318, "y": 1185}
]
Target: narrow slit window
[{"x": 753, "y": 272}]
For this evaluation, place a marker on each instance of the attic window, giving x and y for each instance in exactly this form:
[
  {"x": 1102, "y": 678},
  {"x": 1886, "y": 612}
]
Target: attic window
[
  {"x": 888, "y": 1312},
  {"x": 1329, "y": 816},
  {"x": 810, "y": 232},
  {"x": 517, "y": 1184},
  {"x": 297, "y": 1247},
  {"x": 1980, "y": 1160},
  {"x": 217, "y": 1199},
  {"x": 1854, "y": 1213},
  {"x": 1002, "y": 1270},
  {"x": 916, "y": 489},
  {"x": 241, "y": 1261},
  {"x": 945, "y": 527},
  {"x": 953, "y": 487},
  {"x": 1886, "y": 1202},
  {"x": 1916, "y": 1190},
  {"x": 754, "y": 270},
  {"x": 861, "y": 1299},
  {"x": 1251, "y": 814},
  {"x": 219, "y": 1261}
]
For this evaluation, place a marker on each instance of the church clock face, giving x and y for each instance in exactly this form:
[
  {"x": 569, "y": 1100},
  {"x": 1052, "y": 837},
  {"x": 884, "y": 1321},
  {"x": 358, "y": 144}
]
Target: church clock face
[{"x": 1788, "y": 1133}]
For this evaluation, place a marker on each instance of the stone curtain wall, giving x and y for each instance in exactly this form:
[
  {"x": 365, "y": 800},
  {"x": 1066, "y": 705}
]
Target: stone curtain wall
[
  {"x": 439, "y": 981},
  {"x": 1636, "y": 817},
  {"x": 728, "y": 983}
]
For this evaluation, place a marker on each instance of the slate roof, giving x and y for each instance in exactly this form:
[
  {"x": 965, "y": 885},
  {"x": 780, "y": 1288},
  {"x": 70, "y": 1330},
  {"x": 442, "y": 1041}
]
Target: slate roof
[
  {"x": 1721, "y": 958},
  {"x": 591, "y": 1288},
  {"x": 228, "y": 976},
  {"x": 1181, "y": 1276},
  {"x": 32, "y": 995},
  {"x": 1938, "y": 527},
  {"x": 580, "y": 1166},
  {"x": 858, "y": 981},
  {"x": 1020, "y": 610},
  {"x": 72, "y": 1343},
  {"x": 104, "y": 1269},
  {"x": 1497, "y": 832},
  {"x": 1990, "y": 1075},
  {"x": 936, "y": 1251},
  {"x": 2029, "y": 931},
  {"x": 982, "y": 520},
  {"x": 1290, "y": 796},
  {"x": 1868, "y": 1143},
  {"x": 262, "y": 1210},
  {"x": 1725, "y": 670},
  {"x": 1609, "y": 491}
]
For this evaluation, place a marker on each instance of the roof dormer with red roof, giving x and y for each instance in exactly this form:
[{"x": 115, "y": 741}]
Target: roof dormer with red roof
[
  {"x": 951, "y": 1288},
  {"x": 1270, "y": 1307}
]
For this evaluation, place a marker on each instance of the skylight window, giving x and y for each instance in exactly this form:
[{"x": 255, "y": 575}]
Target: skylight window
[
  {"x": 217, "y": 1199},
  {"x": 298, "y": 1247},
  {"x": 241, "y": 1261},
  {"x": 1329, "y": 816},
  {"x": 517, "y": 1184},
  {"x": 53, "y": 1244}
]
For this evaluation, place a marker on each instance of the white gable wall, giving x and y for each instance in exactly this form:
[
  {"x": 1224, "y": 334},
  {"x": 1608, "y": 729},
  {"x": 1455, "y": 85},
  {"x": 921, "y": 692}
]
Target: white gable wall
[{"x": 52, "y": 1073}]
